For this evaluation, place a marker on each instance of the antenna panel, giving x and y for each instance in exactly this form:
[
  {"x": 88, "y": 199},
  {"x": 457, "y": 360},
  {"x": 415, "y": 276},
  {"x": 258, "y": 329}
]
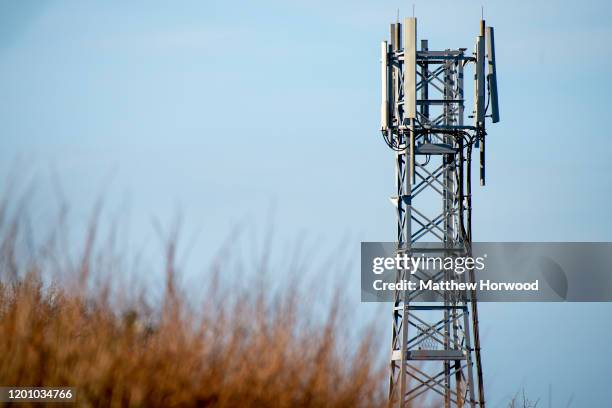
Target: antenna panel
[
  {"x": 410, "y": 64},
  {"x": 492, "y": 75},
  {"x": 384, "y": 107},
  {"x": 480, "y": 81}
]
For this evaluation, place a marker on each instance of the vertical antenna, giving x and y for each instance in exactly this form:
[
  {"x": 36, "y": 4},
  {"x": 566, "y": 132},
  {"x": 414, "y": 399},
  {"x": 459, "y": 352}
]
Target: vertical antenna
[
  {"x": 491, "y": 75},
  {"x": 410, "y": 79},
  {"x": 384, "y": 107},
  {"x": 549, "y": 395},
  {"x": 479, "y": 117},
  {"x": 413, "y": 10}
]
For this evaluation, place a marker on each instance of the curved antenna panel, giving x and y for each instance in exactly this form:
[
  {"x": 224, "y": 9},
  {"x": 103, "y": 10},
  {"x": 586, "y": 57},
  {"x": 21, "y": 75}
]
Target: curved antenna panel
[{"x": 492, "y": 75}]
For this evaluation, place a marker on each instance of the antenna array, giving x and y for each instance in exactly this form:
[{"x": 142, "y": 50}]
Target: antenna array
[{"x": 435, "y": 347}]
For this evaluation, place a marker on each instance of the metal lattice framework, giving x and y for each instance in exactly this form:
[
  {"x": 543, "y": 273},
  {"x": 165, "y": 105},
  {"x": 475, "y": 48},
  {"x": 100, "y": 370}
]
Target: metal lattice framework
[{"x": 435, "y": 352}]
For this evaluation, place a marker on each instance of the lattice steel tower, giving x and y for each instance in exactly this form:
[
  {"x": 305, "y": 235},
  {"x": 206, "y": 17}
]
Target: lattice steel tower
[{"x": 435, "y": 354}]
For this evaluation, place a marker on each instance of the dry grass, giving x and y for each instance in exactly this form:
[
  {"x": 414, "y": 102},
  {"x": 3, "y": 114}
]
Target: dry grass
[
  {"x": 246, "y": 356},
  {"x": 521, "y": 401},
  {"x": 241, "y": 349}
]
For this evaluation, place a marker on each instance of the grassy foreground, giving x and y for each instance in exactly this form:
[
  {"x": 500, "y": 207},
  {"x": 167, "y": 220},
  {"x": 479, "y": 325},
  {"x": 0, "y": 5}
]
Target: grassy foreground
[
  {"x": 242, "y": 349},
  {"x": 247, "y": 356},
  {"x": 62, "y": 324}
]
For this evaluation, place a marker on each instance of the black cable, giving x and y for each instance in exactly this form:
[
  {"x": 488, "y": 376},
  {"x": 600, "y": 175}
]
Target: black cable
[{"x": 488, "y": 94}]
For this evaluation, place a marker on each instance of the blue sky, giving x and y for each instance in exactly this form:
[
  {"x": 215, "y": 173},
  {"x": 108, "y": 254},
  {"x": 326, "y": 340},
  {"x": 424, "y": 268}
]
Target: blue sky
[{"x": 253, "y": 114}]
